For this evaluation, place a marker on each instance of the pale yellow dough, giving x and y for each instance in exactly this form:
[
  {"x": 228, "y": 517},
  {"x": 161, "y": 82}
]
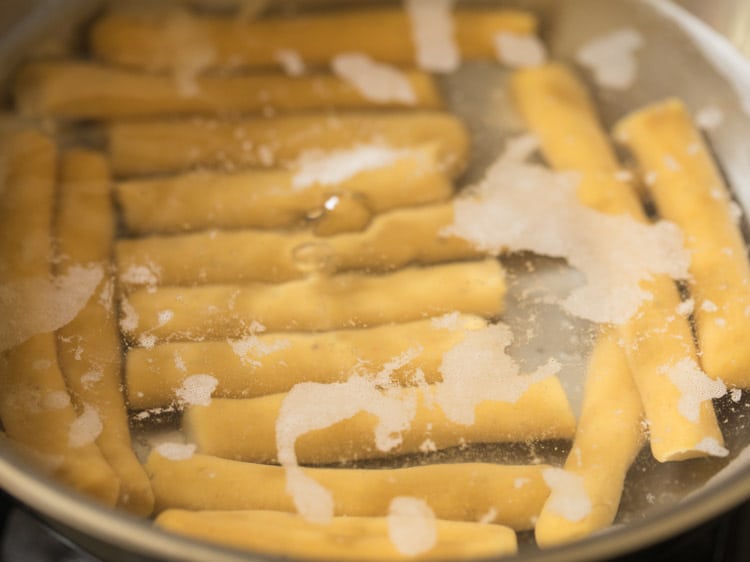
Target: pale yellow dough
[
  {"x": 316, "y": 303},
  {"x": 35, "y": 406},
  {"x": 689, "y": 190},
  {"x": 161, "y": 146},
  {"x": 269, "y": 198},
  {"x": 246, "y": 429},
  {"x": 462, "y": 492},
  {"x": 157, "y": 40},
  {"x": 393, "y": 240},
  {"x": 89, "y": 345},
  {"x": 608, "y": 438},
  {"x": 82, "y": 90},
  {"x": 272, "y": 363},
  {"x": 345, "y": 538},
  {"x": 559, "y": 110}
]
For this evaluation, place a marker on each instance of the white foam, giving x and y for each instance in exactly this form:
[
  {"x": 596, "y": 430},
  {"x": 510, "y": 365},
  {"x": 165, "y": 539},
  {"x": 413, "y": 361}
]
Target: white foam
[
  {"x": 251, "y": 348},
  {"x": 709, "y": 117},
  {"x": 611, "y": 58},
  {"x": 141, "y": 275},
  {"x": 90, "y": 377},
  {"x": 196, "y": 390},
  {"x": 695, "y": 385},
  {"x": 291, "y": 62},
  {"x": 378, "y": 82},
  {"x": 520, "y": 206},
  {"x": 478, "y": 369},
  {"x": 735, "y": 394},
  {"x": 317, "y": 167},
  {"x": 128, "y": 316},
  {"x": 519, "y": 50},
  {"x": 85, "y": 428},
  {"x": 176, "y": 451},
  {"x": 686, "y": 307},
  {"x": 412, "y": 526},
  {"x": 568, "y": 497},
  {"x": 311, "y": 406},
  {"x": 40, "y": 305},
  {"x": 433, "y": 35},
  {"x": 712, "y": 447}
]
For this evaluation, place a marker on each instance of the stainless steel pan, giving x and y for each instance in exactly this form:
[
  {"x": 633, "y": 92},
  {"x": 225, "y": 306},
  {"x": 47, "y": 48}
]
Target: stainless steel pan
[{"x": 682, "y": 57}]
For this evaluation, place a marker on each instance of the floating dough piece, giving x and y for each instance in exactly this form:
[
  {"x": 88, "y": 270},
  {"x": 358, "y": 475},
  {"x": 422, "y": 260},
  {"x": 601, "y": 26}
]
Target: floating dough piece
[
  {"x": 160, "y": 146},
  {"x": 559, "y": 110},
  {"x": 246, "y": 429},
  {"x": 141, "y": 39},
  {"x": 35, "y": 407},
  {"x": 268, "y": 198},
  {"x": 462, "y": 492},
  {"x": 609, "y": 436},
  {"x": 89, "y": 346},
  {"x": 81, "y": 90},
  {"x": 269, "y": 364},
  {"x": 345, "y": 538},
  {"x": 393, "y": 240},
  {"x": 318, "y": 303},
  {"x": 689, "y": 190}
]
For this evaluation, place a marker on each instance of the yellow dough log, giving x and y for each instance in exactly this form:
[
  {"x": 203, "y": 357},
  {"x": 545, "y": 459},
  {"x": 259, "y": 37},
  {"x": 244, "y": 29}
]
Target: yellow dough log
[
  {"x": 269, "y": 198},
  {"x": 157, "y": 40},
  {"x": 89, "y": 346},
  {"x": 316, "y": 303},
  {"x": 35, "y": 407},
  {"x": 160, "y": 146},
  {"x": 272, "y": 363},
  {"x": 345, "y": 538},
  {"x": 246, "y": 429},
  {"x": 559, "y": 110},
  {"x": 689, "y": 190},
  {"x": 609, "y": 436},
  {"x": 81, "y": 90},
  {"x": 393, "y": 240},
  {"x": 462, "y": 492}
]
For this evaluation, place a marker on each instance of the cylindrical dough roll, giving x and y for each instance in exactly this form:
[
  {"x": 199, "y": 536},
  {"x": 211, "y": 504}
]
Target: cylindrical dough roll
[
  {"x": 269, "y": 198},
  {"x": 657, "y": 338},
  {"x": 689, "y": 190},
  {"x": 271, "y": 363},
  {"x": 462, "y": 492},
  {"x": 160, "y": 146},
  {"x": 158, "y": 40},
  {"x": 316, "y": 303},
  {"x": 246, "y": 429},
  {"x": 393, "y": 240},
  {"x": 609, "y": 435},
  {"x": 35, "y": 406},
  {"x": 345, "y": 538},
  {"x": 81, "y": 90},
  {"x": 89, "y": 346}
]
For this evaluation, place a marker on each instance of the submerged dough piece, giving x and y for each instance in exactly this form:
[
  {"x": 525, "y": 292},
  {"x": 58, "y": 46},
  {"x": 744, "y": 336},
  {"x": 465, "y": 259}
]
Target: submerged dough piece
[
  {"x": 268, "y": 198},
  {"x": 82, "y": 90},
  {"x": 246, "y": 429},
  {"x": 35, "y": 407},
  {"x": 559, "y": 110},
  {"x": 463, "y": 492},
  {"x": 272, "y": 363},
  {"x": 393, "y": 240},
  {"x": 160, "y": 146},
  {"x": 89, "y": 346},
  {"x": 345, "y": 538},
  {"x": 139, "y": 39},
  {"x": 316, "y": 303},
  {"x": 689, "y": 190},
  {"x": 609, "y": 436}
]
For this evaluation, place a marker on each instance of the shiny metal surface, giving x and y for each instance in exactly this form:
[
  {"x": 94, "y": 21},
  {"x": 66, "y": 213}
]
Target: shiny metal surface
[{"x": 682, "y": 57}]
